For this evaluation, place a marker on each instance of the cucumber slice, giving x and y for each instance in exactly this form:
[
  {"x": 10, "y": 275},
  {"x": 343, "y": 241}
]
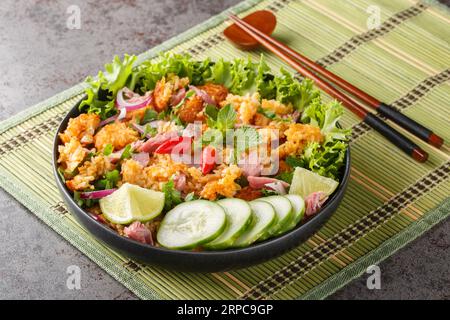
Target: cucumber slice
[
  {"x": 298, "y": 207},
  {"x": 284, "y": 212},
  {"x": 263, "y": 218},
  {"x": 191, "y": 224},
  {"x": 239, "y": 216}
]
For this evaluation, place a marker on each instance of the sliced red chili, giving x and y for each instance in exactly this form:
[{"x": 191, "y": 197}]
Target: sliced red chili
[
  {"x": 167, "y": 146},
  {"x": 208, "y": 159}
]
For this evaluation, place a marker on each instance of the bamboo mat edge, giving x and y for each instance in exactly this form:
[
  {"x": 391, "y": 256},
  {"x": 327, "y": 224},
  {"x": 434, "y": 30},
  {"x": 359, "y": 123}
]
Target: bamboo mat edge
[
  {"x": 384, "y": 251},
  {"x": 326, "y": 288},
  {"x": 17, "y": 189}
]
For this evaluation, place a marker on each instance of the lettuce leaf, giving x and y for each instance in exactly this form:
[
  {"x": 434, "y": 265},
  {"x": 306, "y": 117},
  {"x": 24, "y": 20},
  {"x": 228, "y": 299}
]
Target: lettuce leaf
[
  {"x": 242, "y": 77},
  {"x": 326, "y": 159},
  {"x": 103, "y": 89},
  {"x": 289, "y": 90},
  {"x": 150, "y": 71},
  {"x": 326, "y": 116}
]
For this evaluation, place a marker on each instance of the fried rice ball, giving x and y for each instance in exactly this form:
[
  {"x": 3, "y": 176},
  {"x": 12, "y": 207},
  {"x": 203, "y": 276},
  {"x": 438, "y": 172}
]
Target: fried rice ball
[
  {"x": 71, "y": 154},
  {"x": 192, "y": 110},
  {"x": 118, "y": 134},
  {"x": 297, "y": 136},
  {"x": 89, "y": 172},
  {"x": 216, "y": 91},
  {"x": 82, "y": 128},
  {"x": 165, "y": 88}
]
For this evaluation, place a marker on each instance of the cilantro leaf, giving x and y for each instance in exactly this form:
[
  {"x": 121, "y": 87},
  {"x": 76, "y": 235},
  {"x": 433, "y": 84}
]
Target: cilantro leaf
[
  {"x": 127, "y": 153},
  {"x": 267, "y": 113},
  {"x": 244, "y": 138},
  {"x": 149, "y": 115},
  {"x": 108, "y": 149},
  {"x": 190, "y": 197},
  {"x": 172, "y": 196},
  {"x": 226, "y": 118},
  {"x": 149, "y": 130}
]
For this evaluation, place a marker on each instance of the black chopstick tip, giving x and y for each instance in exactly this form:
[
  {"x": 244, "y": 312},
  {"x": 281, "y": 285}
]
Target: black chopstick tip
[{"x": 419, "y": 155}]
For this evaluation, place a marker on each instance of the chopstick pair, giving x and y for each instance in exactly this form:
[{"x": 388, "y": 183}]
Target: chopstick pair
[{"x": 395, "y": 137}]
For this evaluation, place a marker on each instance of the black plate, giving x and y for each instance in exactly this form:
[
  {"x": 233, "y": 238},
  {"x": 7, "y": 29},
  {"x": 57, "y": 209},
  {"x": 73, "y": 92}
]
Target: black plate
[{"x": 205, "y": 261}]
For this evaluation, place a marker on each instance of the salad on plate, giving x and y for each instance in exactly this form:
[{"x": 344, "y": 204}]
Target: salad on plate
[{"x": 201, "y": 155}]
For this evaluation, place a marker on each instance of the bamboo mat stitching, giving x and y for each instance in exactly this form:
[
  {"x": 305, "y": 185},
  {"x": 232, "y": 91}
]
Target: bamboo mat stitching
[
  {"x": 358, "y": 40},
  {"x": 348, "y": 235},
  {"x": 208, "y": 43}
]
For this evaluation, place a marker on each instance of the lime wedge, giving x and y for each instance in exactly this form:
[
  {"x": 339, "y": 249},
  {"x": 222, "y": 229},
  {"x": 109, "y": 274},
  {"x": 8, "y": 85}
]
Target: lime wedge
[
  {"x": 132, "y": 203},
  {"x": 305, "y": 182}
]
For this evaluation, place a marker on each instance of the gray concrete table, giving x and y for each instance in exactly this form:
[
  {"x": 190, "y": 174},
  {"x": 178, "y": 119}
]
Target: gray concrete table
[{"x": 40, "y": 57}]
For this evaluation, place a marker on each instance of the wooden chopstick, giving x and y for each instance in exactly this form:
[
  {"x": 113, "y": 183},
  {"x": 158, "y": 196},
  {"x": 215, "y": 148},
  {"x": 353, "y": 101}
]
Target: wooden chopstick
[
  {"x": 402, "y": 142},
  {"x": 388, "y": 111}
]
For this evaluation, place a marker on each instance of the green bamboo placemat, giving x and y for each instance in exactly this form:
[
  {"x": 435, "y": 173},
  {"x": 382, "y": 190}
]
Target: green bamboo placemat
[{"x": 391, "y": 199}]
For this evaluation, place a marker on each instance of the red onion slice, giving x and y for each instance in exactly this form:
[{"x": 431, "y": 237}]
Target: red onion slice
[
  {"x": 134, "y": 103},
  {"x": 96, "y": 194},
  {"x": 108, "y": 120},
  {"x": 122, "y": 114},
  {"x": 202, "y": 94},
  {"x": 176, "y": 98}
]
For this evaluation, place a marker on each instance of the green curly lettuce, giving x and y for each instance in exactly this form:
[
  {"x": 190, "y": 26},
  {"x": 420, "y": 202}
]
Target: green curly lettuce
[
  {"x": 289, "y": 90},
  {"x": 326, "y": 117},
  {"x": 103, "y": 89},
  {"x": 149, "y": 72},
  {"x": 328, "y": 157},
  {"x": 240, "y": 76}
]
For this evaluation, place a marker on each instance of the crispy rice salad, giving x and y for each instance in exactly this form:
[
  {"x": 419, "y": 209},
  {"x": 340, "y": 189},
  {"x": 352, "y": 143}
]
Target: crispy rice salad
[{"x": 197, "y": 155}]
